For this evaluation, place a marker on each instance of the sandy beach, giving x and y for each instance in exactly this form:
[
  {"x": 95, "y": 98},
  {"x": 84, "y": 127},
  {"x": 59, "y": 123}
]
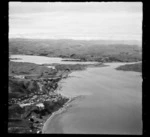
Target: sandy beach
[{"x": 56, "y": 113}]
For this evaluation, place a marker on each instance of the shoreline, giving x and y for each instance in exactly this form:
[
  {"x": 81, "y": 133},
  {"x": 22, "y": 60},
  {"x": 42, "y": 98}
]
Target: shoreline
[
  {"x": 65, "y": 59},
  {"x": 63, "y": 108},
  {"x": 58, "y": 124},
  {"x": 60, "y": 110},
  {"x": 39, "y": 128}
]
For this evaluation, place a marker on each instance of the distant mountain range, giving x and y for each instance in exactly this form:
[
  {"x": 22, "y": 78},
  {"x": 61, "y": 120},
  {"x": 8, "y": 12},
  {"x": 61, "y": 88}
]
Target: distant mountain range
[
  {"x": 130, "y": 42},
  {"x": 87, "y": 49}
]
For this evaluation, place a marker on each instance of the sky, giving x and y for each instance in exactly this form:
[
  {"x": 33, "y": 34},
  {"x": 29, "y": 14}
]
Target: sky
[{"x": 72, "y": 20}]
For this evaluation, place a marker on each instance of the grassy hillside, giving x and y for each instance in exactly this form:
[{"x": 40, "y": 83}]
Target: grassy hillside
[
  {"x": 82, "y": 49},
  {"x": 21, "y": 68}
]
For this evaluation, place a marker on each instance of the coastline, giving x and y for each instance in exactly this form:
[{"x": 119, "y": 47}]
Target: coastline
[
  {"x": 60, "y": 110},
  {"x": 61, "y": 122},
  {"x": 41, "y": 126},
  {"x": 39, "y": 123},
  {"x": 63, "y": 108}
]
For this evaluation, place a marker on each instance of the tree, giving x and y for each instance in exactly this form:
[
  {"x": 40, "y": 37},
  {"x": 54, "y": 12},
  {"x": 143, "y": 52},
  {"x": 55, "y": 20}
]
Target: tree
[{"x": 49, "y": 106}]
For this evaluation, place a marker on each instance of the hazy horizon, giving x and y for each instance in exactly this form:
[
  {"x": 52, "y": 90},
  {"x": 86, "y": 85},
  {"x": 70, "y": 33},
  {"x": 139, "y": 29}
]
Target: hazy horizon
[{"x": 78, "y": 21}]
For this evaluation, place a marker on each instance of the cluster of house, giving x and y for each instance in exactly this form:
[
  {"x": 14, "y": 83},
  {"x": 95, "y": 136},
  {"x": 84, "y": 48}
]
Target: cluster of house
[
  {"x": 39, "y": 96},
  {"x": 38, "y": 100},
  {"x": 19, "y": 76}
]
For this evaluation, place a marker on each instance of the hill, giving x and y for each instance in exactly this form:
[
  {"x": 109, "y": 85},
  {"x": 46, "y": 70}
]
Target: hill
[
  {"x": 79, "y": 49},
  {"x": 131, "y": 67}
]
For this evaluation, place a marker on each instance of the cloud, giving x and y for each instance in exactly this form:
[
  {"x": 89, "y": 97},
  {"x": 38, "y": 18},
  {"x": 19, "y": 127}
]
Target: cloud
[
  {"x": 36, "y": 7},
  {"x": 60, "y": 24}
]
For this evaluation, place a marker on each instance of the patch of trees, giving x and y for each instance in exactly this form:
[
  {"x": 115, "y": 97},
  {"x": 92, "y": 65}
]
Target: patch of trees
[{"x": 53, "y": 106}]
